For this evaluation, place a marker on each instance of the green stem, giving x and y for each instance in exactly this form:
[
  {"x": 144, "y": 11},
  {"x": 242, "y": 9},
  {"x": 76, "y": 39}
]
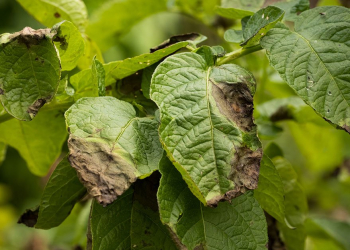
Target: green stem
[{"x": 238, "y": 53}]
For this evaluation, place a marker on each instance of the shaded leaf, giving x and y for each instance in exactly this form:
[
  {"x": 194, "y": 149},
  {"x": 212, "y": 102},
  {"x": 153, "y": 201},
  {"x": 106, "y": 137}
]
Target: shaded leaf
[
  {"x": 130, "y": 222},
  {"x": 206, "y": 124},
  {"x": 39, "y": 142},
  {"x": 50, "y": 12},
  {"x": 260, "y": 23},
  {"x": 293, "y": 8},
  {"x": 69, "y": 43},
  {"x": 30, "y": 72},
  {"x": 270, "y": 192},
  {"x": 146, "y": 79},
  {"x": 3, "y": 150},
  {"x": 120, "y": 69},
  {"x": 240, "y": 224},
  {"x": 195, "y": 38},
  {"x": 313, "y": 60},
  {"x": 295, "y": 206},
  {"x": 109, "y": 146},
  {"x": 61, "y": 193}
]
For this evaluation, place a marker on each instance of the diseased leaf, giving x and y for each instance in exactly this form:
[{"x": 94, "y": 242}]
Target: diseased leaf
[
  {"x": 29, "y": 73},
  {"x": 206, "y": 126},
  {"x": 130, "y": 222},
  {"x": 313, "y": 60},
  {"x": 270, "y": 192},
  {"x": 295, "y": 205},
  {"x": 50, "y": 12},
  {"x": 69, "y": 43},
  {"x": 293, "y": 8},
  {"x": 39, "y": 142},
  {"x": 61, "y": 193},
  {"x": 233, "y": 36},
  {"x": 240, "y": 224},
  {"x": 261, "y": 22},
  {"x": 121, "y": 69},
  {"x": 116, "y": 18},
  {"x": 109, "y": 146}
]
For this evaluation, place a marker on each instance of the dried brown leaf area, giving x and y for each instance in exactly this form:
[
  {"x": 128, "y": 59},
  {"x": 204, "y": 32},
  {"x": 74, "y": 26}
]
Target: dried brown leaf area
[{"x": 110, "y": 147}]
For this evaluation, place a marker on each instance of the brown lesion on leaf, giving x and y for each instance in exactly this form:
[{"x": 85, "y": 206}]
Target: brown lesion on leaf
[
  {"x": 105, "y": 174},
  {"x": 176, "y": 39},
  {"x": 29, "y": 36},
  {"x": 245, "y": 168},
  {"x": 34, "y": 108},
  {"x": 57, "y": 15},
  {"x": 29, "y": 217},
  {"x": 235, "y": 101}
]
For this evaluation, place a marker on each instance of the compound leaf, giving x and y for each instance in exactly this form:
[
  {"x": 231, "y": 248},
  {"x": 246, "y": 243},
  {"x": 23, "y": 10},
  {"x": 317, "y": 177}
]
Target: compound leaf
[
  {"x": 29, "y": 73},
  {"x": 109, "y": 146},
  {"x": 240, "y": 224},
  {"x": 69, "y": 43},
  {"x": 314, "y": 61},
  {"x": 206, "y": 124},
  {"x": 61, "y": 193},
  {"x": 50, "y": 12},
  {"x": 270, "y": 192}
]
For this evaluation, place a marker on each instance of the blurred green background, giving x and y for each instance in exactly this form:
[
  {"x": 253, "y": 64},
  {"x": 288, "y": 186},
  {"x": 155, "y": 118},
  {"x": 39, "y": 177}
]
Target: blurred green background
[{"x": 319, "y": 152}]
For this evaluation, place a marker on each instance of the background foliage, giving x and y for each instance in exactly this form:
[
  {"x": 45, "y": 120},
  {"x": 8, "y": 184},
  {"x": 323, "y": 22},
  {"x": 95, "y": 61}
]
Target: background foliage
[{"x": 316, "y": 156}]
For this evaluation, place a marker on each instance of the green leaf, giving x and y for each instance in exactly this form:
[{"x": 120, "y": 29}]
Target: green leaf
[
  {"x": 240, "y": 224},
  {"x": 233, "y": 13},
  {"x": 146, "y": 79},
  {"x": 295, "y": 206},
  {"x": 113, "y": 18},
  {"x": 241, "y": 8},
  {"x": 336, "y": 230},
  {"x": 131, "y": 222},
  {"x": 233, "y": 36},
  {"x": 30, "y": 72},
  {"x": 69, "y": 43},
  {"x": 50, "y": 12},
  {"x": 39, "y": 142},
  {"x": 206, "y": 124},
  {"x": 270, "y": 192},
  {"x": 61, "y": 193},
  {"x": 293, "y": 8},
  {"x": 109, "y": 146},
  {"x": 260, "y": 23},
  {"x": 91, "y": 50},
  {"x": 98, "y": 76},
  {"x": 121, "y": 69},
  {"x": 313, "y": 60}
]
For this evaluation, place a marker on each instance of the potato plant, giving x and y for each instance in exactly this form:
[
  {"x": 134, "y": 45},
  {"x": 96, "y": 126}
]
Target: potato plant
[{"x": 165, "y": 144}]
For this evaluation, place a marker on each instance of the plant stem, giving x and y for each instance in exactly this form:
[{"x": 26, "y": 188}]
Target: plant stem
[{"x": 238, "y": 53}]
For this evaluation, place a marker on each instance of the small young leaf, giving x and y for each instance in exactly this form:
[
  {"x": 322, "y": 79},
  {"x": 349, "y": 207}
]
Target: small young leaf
[
  {"x": 30, "y": 72},
  {"x": 260, "y": 23},
  {"x": 206, "y": 124},
  {"x": 109, "y": 146},
  {"x": 50, "y": 12},
  {"x": 61, "y": 193},
  {"x": 233, "y": 36},
  {"x": 121, "y": 69},
  {"x": 69, "y": 43},
  {"x": 98, "y": 77},
  {"x": 130, "y": 222},
  {"x": 233, "y": 13},
  {"x": 270, "y": 192},
  {"x": 313, "y": 60},
  {"x": 39, "y": 142},
  {"x": 240, "y": 224}
]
